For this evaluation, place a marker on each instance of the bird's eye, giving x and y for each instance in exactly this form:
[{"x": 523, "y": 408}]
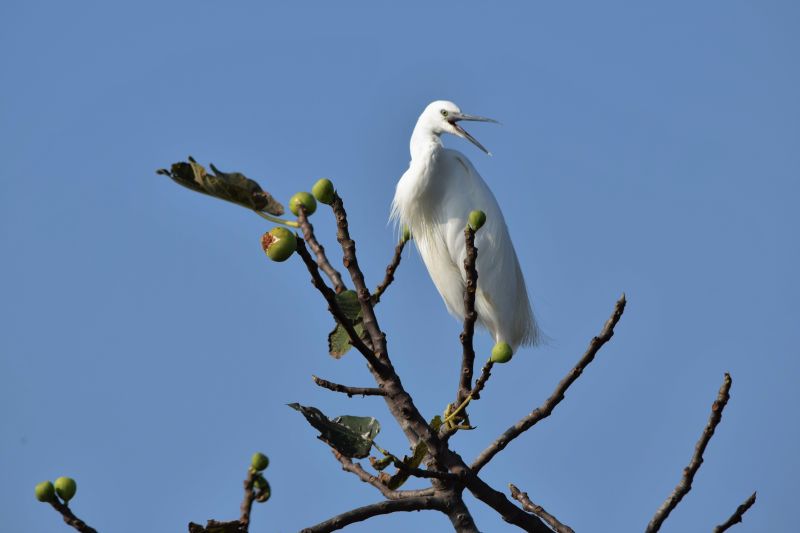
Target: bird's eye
[{"x": 444, "y": 112}]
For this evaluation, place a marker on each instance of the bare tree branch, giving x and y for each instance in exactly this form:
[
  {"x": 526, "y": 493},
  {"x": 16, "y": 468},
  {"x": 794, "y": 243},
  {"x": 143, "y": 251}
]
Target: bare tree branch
[
  {"x": 493, "y": 498},
  {"x": 547, "y": 407},
  {"x": 350, "y": 391},
  {"x": 456, "y": 510},
  {"x": 400, "y": 403},
  {"x": 319, "y": 251},
  {"x": 390, "y": 270},
  {"x": 685, "y": 484},
  {"x": 470, "y": 316},
  {"x": 69, "y": 517},
  {"x": 419, "y": 503},
  {"x": 215, "y": 526},
  {"x": 480, "y": 383},
  {"x": 247, "y": 502},
  {"x": 507, "y": 510},
  {"x": 538, "y": 510},
  {"x": 736, "y": 517},
  {"x": 366, "y": 477}
]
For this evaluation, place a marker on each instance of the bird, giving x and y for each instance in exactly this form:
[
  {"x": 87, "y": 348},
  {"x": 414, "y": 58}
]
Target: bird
[{"x": 433, "y": 199}]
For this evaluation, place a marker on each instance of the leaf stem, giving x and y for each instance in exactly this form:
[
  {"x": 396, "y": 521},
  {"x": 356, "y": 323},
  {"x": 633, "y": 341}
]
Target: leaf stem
[{"x": 290, "y": 223}]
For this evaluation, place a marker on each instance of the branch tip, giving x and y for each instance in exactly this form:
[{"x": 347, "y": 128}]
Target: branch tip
[
  {"x": 538, "y": 510},
  {"x": 685, "y": 485},
  {"x": 736, "y": 517}
]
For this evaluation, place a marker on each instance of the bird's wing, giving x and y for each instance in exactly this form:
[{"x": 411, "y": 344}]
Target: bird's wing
[{"x": 501, "y": 285}]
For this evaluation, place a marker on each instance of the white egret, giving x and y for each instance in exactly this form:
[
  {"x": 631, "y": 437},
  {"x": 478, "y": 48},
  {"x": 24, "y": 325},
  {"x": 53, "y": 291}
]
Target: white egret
[{"x": 434, "y": 198}]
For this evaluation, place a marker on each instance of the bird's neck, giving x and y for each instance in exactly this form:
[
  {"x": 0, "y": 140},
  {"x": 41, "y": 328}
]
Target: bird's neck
[{"x": 424, "y": 143}]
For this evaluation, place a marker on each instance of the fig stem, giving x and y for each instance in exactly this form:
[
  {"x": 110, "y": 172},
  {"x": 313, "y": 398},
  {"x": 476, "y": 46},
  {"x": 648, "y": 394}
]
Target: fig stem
[
  {"x": 290, "y": 223},
  {"x": 460, "y": 408}
]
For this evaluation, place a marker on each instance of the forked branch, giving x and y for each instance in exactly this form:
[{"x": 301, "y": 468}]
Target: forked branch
[
  {"x": 333, "y": 305},
  {"x": 685, "y": 484},
  {"x": 390, "y": 270},
  {"x": 319, "y": 251}
]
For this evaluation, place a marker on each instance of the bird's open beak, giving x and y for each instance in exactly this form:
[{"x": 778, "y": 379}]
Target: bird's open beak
[{"x": 455, "y": 117}]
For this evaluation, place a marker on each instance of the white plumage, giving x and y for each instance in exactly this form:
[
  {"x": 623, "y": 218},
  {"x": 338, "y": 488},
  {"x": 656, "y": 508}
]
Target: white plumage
[{"x": 434, "y": 198}]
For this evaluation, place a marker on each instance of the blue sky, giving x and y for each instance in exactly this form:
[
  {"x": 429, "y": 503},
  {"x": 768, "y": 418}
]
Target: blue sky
[{"x": 149, "y": 347}]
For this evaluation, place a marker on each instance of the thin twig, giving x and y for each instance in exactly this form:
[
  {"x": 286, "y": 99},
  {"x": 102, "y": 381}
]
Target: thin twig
[
  {"x": 350, "y": 391},
  {"x": 359, "y": 514},
  {"x": 69, "y": 517},
  {"x": 736, "y": 517},
  {"x": 480, "y": 383},
  {"x": 685, "y": 484},
  {"x": 538, "y": 510},
  {"x": 247, "y": 501},
  {"x": 470, "y": 316},
  {"x": 333, "y": 305},
  {"x": 366, "y": 477},
  {"x": 216, "y": 526},
  {"x": 547, "y": 407},
  {"x": 319, "y": 251},
  {"x": 390, "y": 270}
]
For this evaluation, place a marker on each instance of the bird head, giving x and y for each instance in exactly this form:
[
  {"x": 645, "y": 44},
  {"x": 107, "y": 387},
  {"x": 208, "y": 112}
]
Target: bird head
[{"x": 443, "y": 116}]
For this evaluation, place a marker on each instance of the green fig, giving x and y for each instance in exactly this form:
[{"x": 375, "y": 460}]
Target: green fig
[
  {"x": 501, "y": 353},
  {"x": 260, "y": 483},
  {"x": 259, "y": 461},
  {"x": 264, "y": 490},
  {"x": 323, "y": 191},
  {"x": 406, "y": 236},
  {"x": 279, "y": 243},
  {"x": 66, "y": 488},
  {"x": 304, "y": 199},
  {"x": 477, "y": 219},
  {"x": 45, "y": 492}
]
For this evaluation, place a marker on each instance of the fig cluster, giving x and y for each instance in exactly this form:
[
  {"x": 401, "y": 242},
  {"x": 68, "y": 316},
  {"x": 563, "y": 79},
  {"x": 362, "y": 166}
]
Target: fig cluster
[
  {"x": 280, "y": 243},
  {"x": 258, "y": 463},
  {"x": 64, "y": 487}
]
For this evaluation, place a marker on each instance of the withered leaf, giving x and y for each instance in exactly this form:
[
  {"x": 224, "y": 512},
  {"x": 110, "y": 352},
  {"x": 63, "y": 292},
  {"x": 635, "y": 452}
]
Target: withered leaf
[{"x": 230, "y": 186}]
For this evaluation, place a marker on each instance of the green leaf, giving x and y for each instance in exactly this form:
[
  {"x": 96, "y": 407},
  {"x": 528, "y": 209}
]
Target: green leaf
[
  {"x": 338, "y": 339},
  {"x": 230, "y": 186},
  {"x": 349, "y": 304},
  {"x": 351, "y": 436},
  {"x": 397, "y": 480}
]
